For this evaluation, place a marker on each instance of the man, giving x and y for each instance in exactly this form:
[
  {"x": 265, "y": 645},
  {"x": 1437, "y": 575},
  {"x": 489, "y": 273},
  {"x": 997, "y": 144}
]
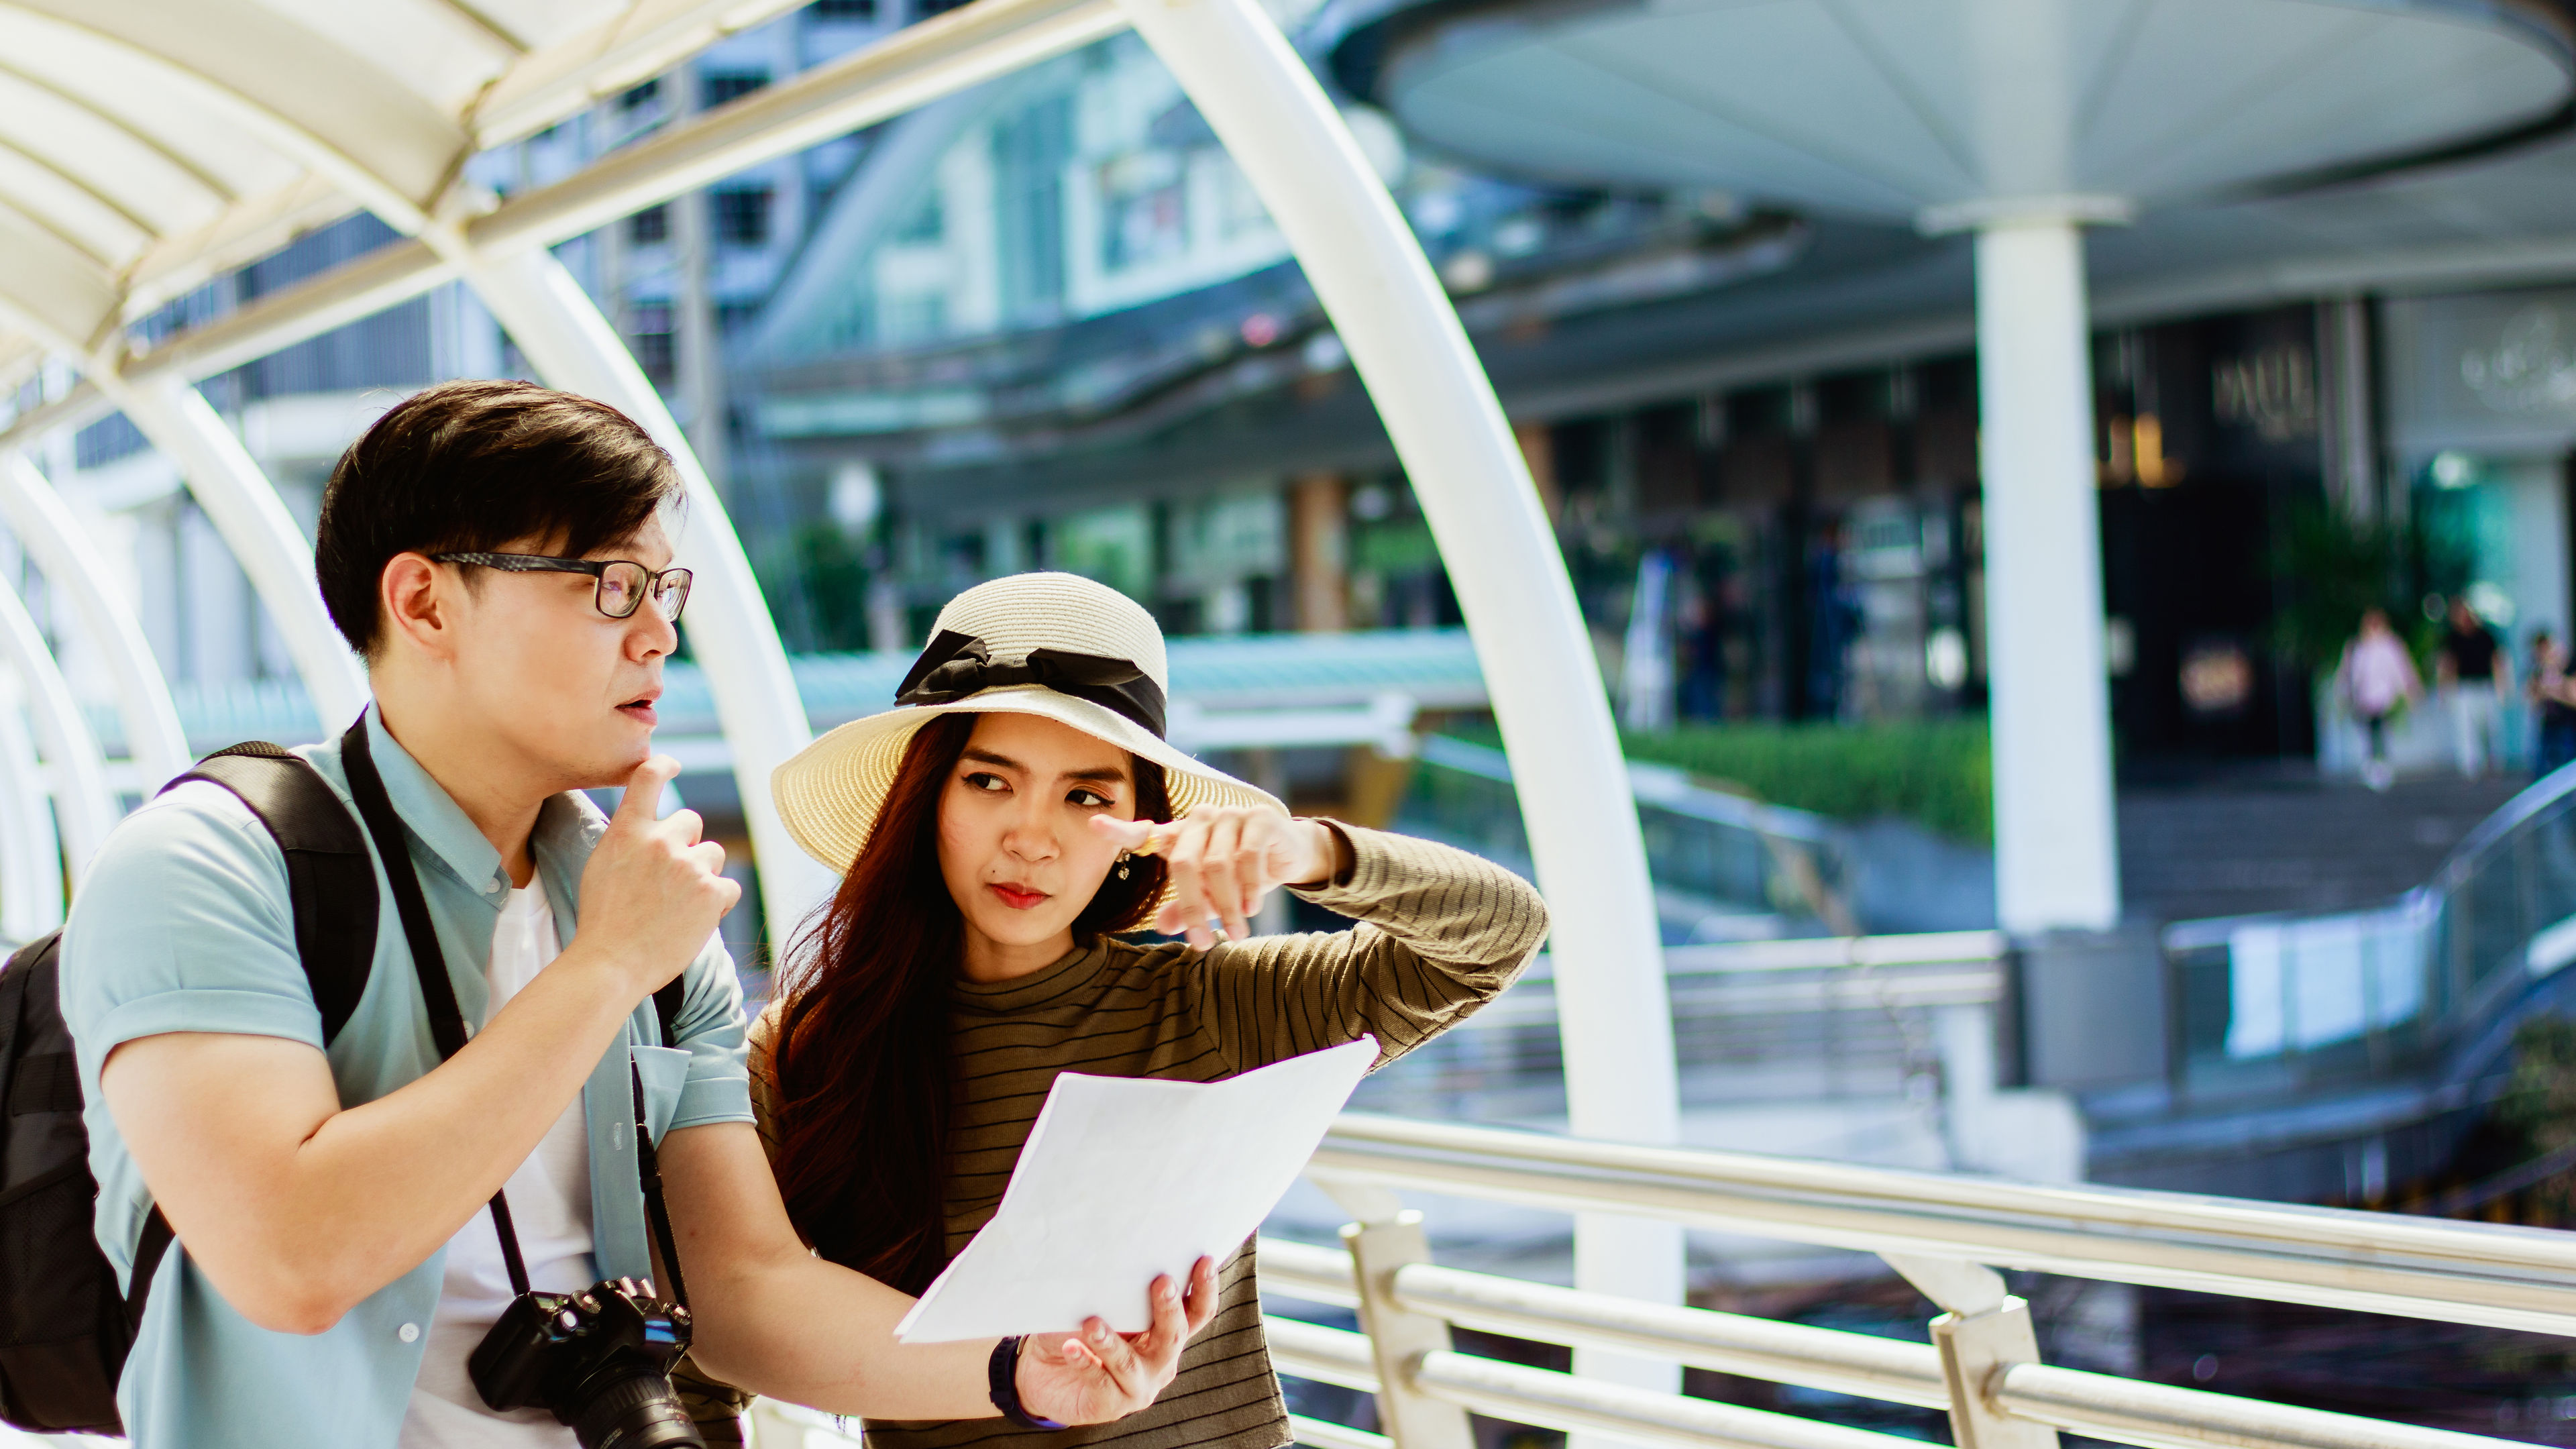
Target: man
[
  {"x": 500, "y": 555},
  {"x": 2475, "y": 678}
]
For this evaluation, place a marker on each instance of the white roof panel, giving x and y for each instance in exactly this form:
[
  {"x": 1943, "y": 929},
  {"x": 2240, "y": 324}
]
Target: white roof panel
[{"x": 147, "y": 145}]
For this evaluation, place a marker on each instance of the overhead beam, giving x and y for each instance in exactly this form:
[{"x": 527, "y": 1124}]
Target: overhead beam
[
  {"x": 619, "y": 53},
  {"x": 909, "y": 69}
]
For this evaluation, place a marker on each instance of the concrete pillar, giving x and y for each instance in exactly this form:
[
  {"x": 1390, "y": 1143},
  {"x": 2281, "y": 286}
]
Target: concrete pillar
[
  {"x": 2056, "y": 859},
  {"x": 1319, "y": 551}
]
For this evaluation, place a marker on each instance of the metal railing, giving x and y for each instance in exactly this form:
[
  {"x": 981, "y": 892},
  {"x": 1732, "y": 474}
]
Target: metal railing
[
  {"x": 1811, "y": 1019},
  {"x": 1945, "y": 1233},
  {"x": 2274, "y": 1004},
  {"x": 1720, "y": 848}
]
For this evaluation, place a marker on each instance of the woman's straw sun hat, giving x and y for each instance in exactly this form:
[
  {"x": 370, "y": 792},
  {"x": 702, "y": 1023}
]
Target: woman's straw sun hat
[{"x": 1058, "y": 646}]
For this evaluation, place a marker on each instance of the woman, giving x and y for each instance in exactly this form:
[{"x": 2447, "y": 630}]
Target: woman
[
  {"x": 1000, "y": 829},
  {"x": 2376, "y": 675}
]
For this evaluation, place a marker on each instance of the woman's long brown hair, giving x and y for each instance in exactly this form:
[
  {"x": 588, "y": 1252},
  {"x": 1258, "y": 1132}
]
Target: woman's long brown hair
[{"x": 862, "y": 1054}]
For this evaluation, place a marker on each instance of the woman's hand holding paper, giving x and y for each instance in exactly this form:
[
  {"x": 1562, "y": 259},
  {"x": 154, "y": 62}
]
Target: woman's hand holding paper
[{"x": 1096, "y": 1375}]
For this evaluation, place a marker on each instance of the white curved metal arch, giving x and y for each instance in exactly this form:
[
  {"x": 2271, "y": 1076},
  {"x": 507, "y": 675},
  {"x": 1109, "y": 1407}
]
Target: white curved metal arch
[
  {"x": 74, "y": 773},
  {"x": 54, "y": 291},
  {"x": 1412, "y": 353},
  {"x": 244, "y": 507},
  {"x": 757, "y": 705},
  {"x": 72, "y": 564},
  {"x": 31, "y": 860}
]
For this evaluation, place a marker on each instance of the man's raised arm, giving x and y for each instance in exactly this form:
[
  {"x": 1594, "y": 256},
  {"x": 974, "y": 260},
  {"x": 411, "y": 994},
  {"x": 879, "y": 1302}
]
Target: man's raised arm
[{"x": 296, "y": 1208}]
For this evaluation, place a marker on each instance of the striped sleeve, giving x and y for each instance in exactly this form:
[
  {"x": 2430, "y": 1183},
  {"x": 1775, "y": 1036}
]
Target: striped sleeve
[{"x": 1440, "y": 933}]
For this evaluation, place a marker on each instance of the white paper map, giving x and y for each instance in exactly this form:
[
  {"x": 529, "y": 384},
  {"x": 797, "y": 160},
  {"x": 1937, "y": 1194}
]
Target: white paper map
[{"x": 1124, "y": 1178}]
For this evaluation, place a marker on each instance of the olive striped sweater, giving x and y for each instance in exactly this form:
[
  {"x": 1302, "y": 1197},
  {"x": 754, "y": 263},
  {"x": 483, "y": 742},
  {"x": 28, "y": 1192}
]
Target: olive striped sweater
[{"x": 1440, "y": 933}]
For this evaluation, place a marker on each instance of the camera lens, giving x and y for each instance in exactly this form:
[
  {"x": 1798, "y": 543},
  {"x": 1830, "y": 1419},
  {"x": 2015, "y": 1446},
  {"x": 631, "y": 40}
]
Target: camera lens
[{"x": 637, "y": 1411}]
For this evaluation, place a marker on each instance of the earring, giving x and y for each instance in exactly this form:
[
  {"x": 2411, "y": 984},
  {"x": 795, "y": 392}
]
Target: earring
[{"x": 1123, "y": 858}]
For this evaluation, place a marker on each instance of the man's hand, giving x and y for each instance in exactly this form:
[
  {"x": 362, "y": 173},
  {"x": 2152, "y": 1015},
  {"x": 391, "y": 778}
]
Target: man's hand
[
  {"x": 1225, "y": 859},
  {"x": 1096, "y": 1376},
  {"x": 653, "y": 891}
]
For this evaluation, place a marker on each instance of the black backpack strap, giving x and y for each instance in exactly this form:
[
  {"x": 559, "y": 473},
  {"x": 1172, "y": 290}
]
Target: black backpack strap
[
  {"x": 328, "y": 877},
  {"x": 147, "y": 1262},
  {"x": 447, "y": 1021}
]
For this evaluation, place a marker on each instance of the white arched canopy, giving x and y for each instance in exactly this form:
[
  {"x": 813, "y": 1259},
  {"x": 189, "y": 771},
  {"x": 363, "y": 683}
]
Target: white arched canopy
[{"x": 145, "y": 146}]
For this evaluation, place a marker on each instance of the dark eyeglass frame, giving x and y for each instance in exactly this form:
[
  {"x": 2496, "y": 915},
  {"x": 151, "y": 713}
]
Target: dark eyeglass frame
[{"x": 596, "y": 568}]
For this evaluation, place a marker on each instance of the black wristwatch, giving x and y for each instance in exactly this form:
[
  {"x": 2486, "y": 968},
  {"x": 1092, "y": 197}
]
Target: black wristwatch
[{"x": 1002, "y": 1373}]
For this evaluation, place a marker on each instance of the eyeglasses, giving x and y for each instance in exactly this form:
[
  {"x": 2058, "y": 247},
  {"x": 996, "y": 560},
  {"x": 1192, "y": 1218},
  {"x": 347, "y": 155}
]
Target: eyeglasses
[{"x": 624, "y": 584}]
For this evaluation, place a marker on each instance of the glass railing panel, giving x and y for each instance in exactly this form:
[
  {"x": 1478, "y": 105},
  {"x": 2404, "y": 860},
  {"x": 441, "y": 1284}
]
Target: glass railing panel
[{"x": 2280, "y": 1004}]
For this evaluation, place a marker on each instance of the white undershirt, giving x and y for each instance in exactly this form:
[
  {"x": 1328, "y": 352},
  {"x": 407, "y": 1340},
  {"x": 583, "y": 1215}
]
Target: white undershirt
[{"x": 549, "y": 1205}]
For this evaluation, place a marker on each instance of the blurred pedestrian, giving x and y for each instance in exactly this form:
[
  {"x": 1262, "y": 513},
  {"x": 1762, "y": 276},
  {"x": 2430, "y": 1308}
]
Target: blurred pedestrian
[
  {"x": 2376, "y": 676},
  {"x": 2553, "y": 703},
  {"x": 2475, "y": 678}
]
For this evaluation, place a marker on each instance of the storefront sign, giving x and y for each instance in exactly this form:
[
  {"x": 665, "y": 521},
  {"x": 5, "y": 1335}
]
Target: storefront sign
[
  {"x": 2530, "y": 367},
  {"x": 2273, "y": 391},
  {"x": 2487, "y": 372}
]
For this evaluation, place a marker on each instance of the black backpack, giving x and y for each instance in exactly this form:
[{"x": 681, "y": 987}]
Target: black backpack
[{"x": 64, "y": 1327}]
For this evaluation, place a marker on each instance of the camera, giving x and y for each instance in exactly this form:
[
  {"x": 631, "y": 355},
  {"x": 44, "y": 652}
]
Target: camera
[{"x": 600, "y": 1359}]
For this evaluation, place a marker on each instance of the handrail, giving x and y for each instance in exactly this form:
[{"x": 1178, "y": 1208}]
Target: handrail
[
  {"x": 2159, "y": 1416},
  {"x": 2491, "y": 1274},
  {"x": 1943, "y": 1231}
]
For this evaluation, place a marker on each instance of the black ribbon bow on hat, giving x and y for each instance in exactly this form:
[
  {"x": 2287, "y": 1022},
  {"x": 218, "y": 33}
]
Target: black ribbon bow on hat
[{"x": 957, "y": 665}]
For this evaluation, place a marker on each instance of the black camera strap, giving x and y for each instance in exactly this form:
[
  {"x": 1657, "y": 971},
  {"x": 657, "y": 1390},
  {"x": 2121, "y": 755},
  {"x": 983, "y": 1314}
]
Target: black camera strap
[{"x": 447, "y": 1022}]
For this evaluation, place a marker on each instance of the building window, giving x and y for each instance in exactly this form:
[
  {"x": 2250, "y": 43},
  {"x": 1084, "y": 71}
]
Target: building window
[
  {"x": 652, "y": 224},
  {"x": 1143, "y": 210},
  {"x": 652, "y": 340},
  {"x": 729, "y": 85},
  {"x": 925, "y": 224},
  {"x": 859, "y": 10},
  {"x": 742, "y": 216},
  {"x": 636, "y": 98}
]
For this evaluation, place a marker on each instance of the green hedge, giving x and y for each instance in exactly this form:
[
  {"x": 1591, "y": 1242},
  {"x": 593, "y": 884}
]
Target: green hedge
[{"x": 1936, "y": 773}]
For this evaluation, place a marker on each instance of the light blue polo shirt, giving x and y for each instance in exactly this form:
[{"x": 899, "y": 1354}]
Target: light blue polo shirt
[{"x": 184, "y": 925}]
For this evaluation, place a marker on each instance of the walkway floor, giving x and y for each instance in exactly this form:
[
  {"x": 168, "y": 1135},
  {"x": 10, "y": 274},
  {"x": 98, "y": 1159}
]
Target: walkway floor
[{"x": 2278, "y": 838}]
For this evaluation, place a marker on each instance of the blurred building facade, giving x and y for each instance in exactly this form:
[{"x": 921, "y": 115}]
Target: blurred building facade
[{"x": 1046, "y": 323}]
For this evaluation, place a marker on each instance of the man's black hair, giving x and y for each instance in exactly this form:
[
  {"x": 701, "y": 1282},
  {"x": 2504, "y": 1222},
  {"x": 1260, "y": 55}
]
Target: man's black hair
[{"x": 471, "y": 466}]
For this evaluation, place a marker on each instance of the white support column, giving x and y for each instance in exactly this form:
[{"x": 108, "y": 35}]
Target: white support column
[
  {"x": 1406, "y": 341},
  {"x": 734, "y": 640},
  {"x": 237, "y": 496},
  {"x": 31, "y": 861},
  {"x": 73, "y": 772},
  {"x": 46, "y": 527},
  {"x": 2056, "y": 859}
]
